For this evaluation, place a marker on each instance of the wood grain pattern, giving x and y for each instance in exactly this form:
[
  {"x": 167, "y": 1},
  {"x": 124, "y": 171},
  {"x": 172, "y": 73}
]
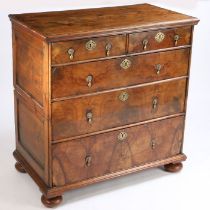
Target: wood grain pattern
[
  {"x": 51, "y": 192},
  {"x": 51, "y": 202},
  {"x": 173, "y": 167},
  {"x": 69, "y": 117},
  {"x": 29, "y": 64},
  {"x": 136, "y": 39},
  {"x": 110, "y": 155},
  {"x": 19, "y": 167},
  {"x": 71, "y": 80},
  {"x": 32, "y": 97},
  {"x": 64, "y": 25},
  {"x": 55, "y": 143},
  {"x": 31, "y": 133},
  {"x": 60, "y": 49}
]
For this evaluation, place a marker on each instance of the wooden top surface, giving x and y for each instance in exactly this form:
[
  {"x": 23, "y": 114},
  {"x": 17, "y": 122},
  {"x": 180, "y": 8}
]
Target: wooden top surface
[{"x": 62, "y": 25}]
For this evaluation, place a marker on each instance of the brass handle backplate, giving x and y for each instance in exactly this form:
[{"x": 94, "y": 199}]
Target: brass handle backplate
[
  {"x": 123, "y": 96},
  {"x": 158, "y": 68},
  {"x": 176, "y": 39},
  {"x": 155, "y": 103},
  {"x": 108, "y": 49},
  {"x": 125, "y": 64},
  {"x": 89, "y": 80},
  {"x": 90, "y": 45},
  {"x": 88, "y": 160},
  {"x": 122, "y": 136},
  {"x": 145, "y": 43},
  {"x": 89, "y": 116},
  {"x": 71, "y": 53}
]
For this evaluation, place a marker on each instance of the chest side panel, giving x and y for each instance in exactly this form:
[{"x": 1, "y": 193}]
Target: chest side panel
[
  {"x": 31, "y": 73},
  {"x": 29, "y": 64}
]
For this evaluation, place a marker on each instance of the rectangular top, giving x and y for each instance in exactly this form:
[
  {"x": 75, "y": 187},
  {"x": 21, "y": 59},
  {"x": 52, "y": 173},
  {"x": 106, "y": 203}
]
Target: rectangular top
[{"x": 63, "y": 25}]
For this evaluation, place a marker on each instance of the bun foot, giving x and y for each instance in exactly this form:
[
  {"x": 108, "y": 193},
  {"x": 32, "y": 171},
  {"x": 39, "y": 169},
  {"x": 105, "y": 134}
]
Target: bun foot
[
  {"x": 19, "y": 167},
  {"x": 173, "y": 167},
  {"x": 51, "y": 202}
]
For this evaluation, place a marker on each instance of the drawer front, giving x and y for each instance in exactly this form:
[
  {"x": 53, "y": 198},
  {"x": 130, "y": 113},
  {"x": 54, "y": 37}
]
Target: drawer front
[
  {"x": 110, "y": 152},
  {"x": 103, "y": 111},
  {"x": 154, "y": 40},
  {"x": 103, "y": 75},
  {"x": 84, "y": 49}
]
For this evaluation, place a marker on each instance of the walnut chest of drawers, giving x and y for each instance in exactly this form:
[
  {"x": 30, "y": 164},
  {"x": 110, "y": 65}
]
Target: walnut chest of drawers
[{"x": 99, "y": 93}]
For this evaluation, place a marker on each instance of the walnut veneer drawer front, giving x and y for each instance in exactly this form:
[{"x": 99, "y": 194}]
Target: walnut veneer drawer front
[
  {"x": 103, "y": 111},
  {"x": 159, "y": 39},
  {"x": 99, "y": 93},
  {"x": 103, "y": 75},
  {"x": 84, "y": 49},
  {"x": 96, "y": 156}
]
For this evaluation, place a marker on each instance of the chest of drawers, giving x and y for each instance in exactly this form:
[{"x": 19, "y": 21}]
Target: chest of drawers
[{"x": 99, "y": 93}]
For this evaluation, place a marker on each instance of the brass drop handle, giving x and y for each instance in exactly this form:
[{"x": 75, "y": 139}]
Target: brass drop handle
[
  {"x": 89, "y": 116},
  {"x": 153, "y": 144},
  {"x": 176, "y": 39},
  {"x": 155, "y": 103},
  {"x": 88, "y": 160},
  {"x": 145, "y": 43},
  {"x": 108, "y": 49},
  {"x": 89, "y": 80},
  {"x": 71, "y": 53},
  {"x": 158, "y": 68}
]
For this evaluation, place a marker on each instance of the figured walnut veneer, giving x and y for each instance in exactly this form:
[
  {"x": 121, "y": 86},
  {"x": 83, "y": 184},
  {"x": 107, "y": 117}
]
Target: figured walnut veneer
[{"x": 99, "y": 93}]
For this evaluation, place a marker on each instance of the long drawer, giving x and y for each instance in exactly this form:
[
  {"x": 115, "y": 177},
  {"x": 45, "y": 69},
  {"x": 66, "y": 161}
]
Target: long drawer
[
  {"x": 110, "y": 152},
  {"x": 116, "y": 108},
  {"x": 103, "y": 75}
]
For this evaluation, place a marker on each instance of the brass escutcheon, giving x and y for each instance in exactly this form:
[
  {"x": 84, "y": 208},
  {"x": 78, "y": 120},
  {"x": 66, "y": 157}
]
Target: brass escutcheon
[
  {"x": 90, "y": 45},
  {"x": 159, "y": 37},
  {"x": 125, "y": 64},
  {"x": 123, "y": 96},
  {"x": 122, "y": 136}
]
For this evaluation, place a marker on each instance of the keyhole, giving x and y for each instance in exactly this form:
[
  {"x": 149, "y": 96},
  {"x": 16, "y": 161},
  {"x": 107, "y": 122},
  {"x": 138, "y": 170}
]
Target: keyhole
[{"x": 126, "y": 64}]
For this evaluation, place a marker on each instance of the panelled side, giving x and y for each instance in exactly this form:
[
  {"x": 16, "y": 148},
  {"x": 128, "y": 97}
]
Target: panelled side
[{"x": 31, "y": 61}]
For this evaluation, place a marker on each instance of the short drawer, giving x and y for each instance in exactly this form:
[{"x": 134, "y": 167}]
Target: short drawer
[
  {"x": 98, "y": 155},
  {"x": 103, "y": 75},
  {"x": 104, "y": 111},
  {"x": 84, "y": 49},
  {"x": 160, "y": 39}
]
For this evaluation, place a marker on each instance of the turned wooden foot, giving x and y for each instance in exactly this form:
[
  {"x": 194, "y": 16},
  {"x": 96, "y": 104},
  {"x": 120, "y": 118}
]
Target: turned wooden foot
[
  {"x": 51, "y": 202},
  {"x": 19, "y": 167},
  {"x": 173, "y": 167}
]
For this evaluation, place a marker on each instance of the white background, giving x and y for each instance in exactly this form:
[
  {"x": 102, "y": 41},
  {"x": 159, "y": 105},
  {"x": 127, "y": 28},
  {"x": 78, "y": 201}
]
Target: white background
[{"x": 147, "y": 190}]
